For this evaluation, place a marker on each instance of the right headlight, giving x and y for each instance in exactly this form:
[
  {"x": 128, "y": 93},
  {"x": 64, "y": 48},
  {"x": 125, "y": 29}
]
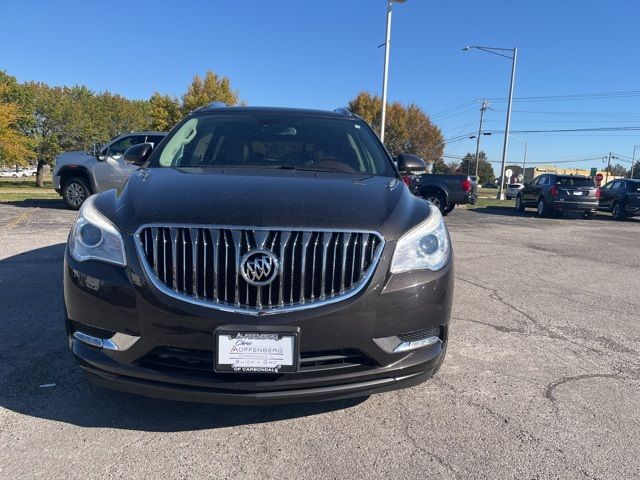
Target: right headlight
[
  {"x": 426, "y": 246},
  {"x": 94, "y": 237}
]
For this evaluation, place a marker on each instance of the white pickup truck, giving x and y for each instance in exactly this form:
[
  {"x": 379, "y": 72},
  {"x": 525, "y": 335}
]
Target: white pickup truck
[{"x": 77, "y": 175}]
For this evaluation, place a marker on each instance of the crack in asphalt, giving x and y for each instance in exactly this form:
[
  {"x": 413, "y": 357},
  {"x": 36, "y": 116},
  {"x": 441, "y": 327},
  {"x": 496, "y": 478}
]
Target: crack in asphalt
[
  {"x": 549, "y": 391},
  {"x": 416, "y": 446}
]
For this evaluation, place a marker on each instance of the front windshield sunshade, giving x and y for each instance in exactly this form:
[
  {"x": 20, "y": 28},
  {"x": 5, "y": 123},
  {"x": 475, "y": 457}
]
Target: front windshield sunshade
[{"x": 275, "y": 141}]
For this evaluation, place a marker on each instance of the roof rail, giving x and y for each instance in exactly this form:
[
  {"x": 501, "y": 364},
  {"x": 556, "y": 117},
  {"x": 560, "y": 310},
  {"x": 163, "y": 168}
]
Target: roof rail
[
  {"x": 344, "y": 111},
  {"x": 217, "y": 105}
]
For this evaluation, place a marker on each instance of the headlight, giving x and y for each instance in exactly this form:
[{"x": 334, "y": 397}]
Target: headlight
[
  {"x": 426, "y": 246},
  {"x": 93, "y": 237}
]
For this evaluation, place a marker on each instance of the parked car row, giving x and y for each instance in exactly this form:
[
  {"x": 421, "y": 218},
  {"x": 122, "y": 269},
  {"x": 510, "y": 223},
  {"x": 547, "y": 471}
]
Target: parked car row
[
  {"x": 16, "y": 173},
  {"x": 555, "y": 194}
]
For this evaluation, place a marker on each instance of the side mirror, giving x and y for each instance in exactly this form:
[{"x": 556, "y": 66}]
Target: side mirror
[
  {"x": 138, "y": 154},
  {"x": 410, "y": 163}
]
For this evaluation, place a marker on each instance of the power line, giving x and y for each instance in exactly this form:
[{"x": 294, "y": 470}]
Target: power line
[{"x": 579, "y": 96}]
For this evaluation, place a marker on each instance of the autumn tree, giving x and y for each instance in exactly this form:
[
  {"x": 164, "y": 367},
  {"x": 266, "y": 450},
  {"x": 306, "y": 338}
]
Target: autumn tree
[
  {"x": 165, "y": 112},
  {"x": 408, "y": 128},
  {"x": 213, "y": 88},
  {"x": 15, "y": 144}
]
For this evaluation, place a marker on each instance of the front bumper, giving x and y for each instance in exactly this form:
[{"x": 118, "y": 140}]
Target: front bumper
[
  {"x": 124, "y": 300},
  {"x": 56, "y": 184}
]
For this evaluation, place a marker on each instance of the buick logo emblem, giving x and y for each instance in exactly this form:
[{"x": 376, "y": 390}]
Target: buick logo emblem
[{"x": 259, "y": 267}]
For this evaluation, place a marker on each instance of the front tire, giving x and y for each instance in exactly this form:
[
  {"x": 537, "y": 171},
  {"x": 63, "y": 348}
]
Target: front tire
[
  {"x": 589, "y": 215},
  {"x": 519, "y": 204},
  {"x": 449, "y": 208},
  {"x": 75, "y": 192}
]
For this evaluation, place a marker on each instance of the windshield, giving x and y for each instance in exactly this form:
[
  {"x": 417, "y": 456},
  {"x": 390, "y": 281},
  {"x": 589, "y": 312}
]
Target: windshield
[
  {"x": 575, "y": 182},
  {"x": 274, "y": 141}
]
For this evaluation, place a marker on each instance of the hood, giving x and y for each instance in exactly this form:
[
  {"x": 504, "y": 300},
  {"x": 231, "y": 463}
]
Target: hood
[
  {"x": 73, "y": 157},
  {"x": 266, "y": 198}
]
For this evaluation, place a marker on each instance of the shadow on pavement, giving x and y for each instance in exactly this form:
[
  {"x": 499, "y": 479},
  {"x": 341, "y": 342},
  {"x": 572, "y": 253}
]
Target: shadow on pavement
[
  {"x": 34, "y": 356},
  {"x": 509, "y": 211},
  {"x": 34, "y": 202}
]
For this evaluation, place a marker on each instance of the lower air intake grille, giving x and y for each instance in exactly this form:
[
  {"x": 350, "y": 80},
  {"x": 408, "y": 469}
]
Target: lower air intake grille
[
  {"x": 201, "y": 361},
  {"x": 89, "y": 330},
  {"x": 257, "y": 270},
  {"x": 421, "y": 334}
]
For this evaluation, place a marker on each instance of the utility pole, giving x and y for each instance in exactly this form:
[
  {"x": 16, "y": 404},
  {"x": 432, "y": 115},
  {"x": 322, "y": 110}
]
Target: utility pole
[
  {"x": 485, "y": 106},
  {"x": 609, "y": 166}
]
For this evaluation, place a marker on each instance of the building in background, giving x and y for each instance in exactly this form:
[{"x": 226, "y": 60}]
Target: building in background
[{"x": 532, "y": 172}]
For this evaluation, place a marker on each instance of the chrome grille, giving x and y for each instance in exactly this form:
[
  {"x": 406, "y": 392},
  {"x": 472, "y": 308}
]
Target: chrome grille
[{"x": 202, "y": 265}]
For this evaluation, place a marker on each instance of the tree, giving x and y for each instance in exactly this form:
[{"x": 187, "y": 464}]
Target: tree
[
  {"x": 485, "y": 170},
  {"x": 439, "y": 166},
  {"x": 15, "y": 145},
  {"x": 212, "y": 88},
  {"x": 408, "y": 128},
  {"x": 165, "y": 112},
  {"x": 636, "y": 169},
  {"x": 617, "y": 170}
]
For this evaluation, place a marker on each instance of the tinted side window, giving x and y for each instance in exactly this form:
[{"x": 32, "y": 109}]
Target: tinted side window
[{"x": 120, "y": 146}]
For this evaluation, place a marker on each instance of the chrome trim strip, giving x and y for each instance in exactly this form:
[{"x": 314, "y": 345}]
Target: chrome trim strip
[
  {"x": 225, "y": 307},
  {"x": 119, "y": 342}
]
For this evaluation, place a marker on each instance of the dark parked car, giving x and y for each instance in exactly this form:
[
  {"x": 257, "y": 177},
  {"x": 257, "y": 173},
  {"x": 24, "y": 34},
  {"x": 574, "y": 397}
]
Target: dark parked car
[
  {"x": 444, "y": 191},
  {"x": 260, "y": 256},
  {"x": 621, "y": 198},
  {"x": 553, "y": 193}
]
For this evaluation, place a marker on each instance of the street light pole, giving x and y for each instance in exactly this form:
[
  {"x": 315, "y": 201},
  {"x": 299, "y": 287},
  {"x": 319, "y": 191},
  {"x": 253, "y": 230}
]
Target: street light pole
[
  {"x": 513, "y": 58},
  {"x": 524, "y": 160},
  {"x": 508, "y": 124},
  {"x": 385, "y": 75},
  {"x": 633, "y": 161}
]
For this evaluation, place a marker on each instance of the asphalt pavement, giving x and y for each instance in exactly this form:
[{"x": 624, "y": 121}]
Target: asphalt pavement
[{"x": 541, "y": 380}]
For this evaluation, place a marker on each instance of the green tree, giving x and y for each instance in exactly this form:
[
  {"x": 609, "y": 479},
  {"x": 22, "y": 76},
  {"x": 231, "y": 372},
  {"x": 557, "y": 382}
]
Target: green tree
[
  {"x": 485, "y": 170},
  {"x": 408, "y": 128},
  {"x": 618, "y": 170},
  {"x": 439, "y": 166},
  {"x": 212, "y": 88},
  {"x": 165, "y": 112}
]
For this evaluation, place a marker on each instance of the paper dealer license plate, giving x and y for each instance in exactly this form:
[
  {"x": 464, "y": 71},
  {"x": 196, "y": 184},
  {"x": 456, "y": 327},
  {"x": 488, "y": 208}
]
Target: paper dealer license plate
[{"x": 256, "y": 352}]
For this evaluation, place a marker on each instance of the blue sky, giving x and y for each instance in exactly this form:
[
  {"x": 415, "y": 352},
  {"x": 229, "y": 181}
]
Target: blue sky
[{"x": 321, "y": 54}]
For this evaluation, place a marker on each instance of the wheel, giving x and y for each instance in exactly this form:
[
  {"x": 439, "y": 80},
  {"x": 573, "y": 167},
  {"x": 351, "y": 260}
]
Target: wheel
[
  {"x": 450, "y": 208},
  {"x": 542, "y": 208},
  {"x": 519, "y": 204},
  {"x": 34, "y": 174},
  {"x": 616, "y": 211},
  {"x": 14, "y": 175},
  {"x": 75, "y": 192},
  {"x": 24, "y": 175},
  {"x": 589, "y": 215},
  {"x": 438, "y": 201}
]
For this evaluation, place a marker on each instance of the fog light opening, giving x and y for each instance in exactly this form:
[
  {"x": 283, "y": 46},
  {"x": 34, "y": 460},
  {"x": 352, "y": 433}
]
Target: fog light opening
[{"x": 415, "y": 344}]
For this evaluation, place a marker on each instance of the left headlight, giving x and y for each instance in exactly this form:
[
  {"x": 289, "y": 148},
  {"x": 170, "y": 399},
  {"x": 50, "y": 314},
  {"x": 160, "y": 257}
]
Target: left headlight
[
  {"x": 94, "y": 237},
  {"x": 425, "y": 246}
]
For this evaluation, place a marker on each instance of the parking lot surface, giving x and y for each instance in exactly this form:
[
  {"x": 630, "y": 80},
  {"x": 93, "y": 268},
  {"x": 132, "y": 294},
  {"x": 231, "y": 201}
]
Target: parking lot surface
[{"x": 541, "y": 380}]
